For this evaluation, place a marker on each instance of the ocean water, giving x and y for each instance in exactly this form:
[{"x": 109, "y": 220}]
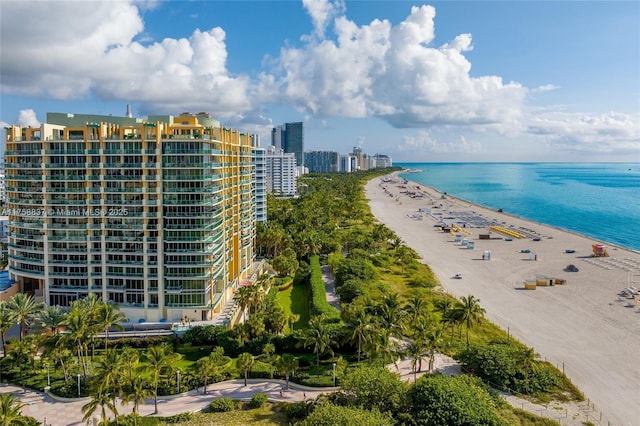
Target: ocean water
[{"x": 598, "y": 200}]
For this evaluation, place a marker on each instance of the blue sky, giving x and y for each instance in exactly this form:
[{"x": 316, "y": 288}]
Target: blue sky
[{"x": 419, "y": 81}]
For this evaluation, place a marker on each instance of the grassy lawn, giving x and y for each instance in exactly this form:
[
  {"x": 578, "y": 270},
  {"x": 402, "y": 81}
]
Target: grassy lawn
[
  {"x": 517, "y": 417},
  {"x": 295, "y": 300},
  {"x": 268, "y": 415}
]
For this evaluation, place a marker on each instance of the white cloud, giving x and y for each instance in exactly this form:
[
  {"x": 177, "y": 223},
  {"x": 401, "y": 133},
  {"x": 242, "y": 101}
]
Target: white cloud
[
  {"x": 27, "y": 117},
  {"x": 79, "y": 49},
  {"x": 321, "y": 12},
  {"x": 545, "y": 88},
  {"x": 424, "y": 143},
  {"x": 580, "y": 132},
  {"x": 393, "y": 72}
]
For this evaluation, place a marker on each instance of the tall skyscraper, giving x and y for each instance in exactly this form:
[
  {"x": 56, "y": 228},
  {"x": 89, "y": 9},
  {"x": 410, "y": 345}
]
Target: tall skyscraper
[
  {"x": 154, "y": 215},
  {"x": 277, "y": 138},
  {"x": 290, "y": 137}
]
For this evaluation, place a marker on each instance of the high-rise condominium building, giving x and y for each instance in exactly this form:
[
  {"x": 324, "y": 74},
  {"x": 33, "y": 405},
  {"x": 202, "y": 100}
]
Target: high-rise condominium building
[
  {"x": 259, "y": 181},
  {"x": 154, "y": 215},
  {"x": 280, "y": 172},
  {"x": 290, "y": 138},
  {"x": 3, "y": 189},
  {"x": 381, "y": 161},
  {"x": 348, "y": 163},
  {"x": 322, "y": 161}
]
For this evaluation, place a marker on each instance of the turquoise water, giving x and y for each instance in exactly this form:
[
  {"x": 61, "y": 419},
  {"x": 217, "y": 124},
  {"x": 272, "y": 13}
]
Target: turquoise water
[
  {"x": 599, "y": 200},
  {"x": 5, "y": 281}
]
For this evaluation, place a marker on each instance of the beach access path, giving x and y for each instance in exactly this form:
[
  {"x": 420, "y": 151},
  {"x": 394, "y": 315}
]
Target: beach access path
[
  {"x": 585, "y": 327},
  {"x": 68, "y": 411}
]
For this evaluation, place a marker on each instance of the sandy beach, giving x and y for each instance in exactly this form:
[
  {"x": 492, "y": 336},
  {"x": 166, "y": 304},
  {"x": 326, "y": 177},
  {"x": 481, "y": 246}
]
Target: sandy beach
[{"x": 586, "y": 326}]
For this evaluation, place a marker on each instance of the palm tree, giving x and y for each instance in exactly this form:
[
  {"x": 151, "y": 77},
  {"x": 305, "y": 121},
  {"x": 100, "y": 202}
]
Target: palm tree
[
  {"x": 268, "y": 350},
  {"x": 448, "y": 316},
  {"x": 381, "y": 233},
  {"x": 451, "y": 319},
  {"x": 24, "y": 309},
  {"x": 384, "y": 348},
  {"x": 108, "y": 316},
  {"x": 443, "y": 306},
  {"x": 244, "y": 296},
  {"x": 256, "y": 300},
  {"x": 319, "y": 337},
  {"x": 56, "y": 351},
  {"x": 51, "y": 319},
  {"x": 77, "y": 324},
  {"x": 359, "y": 324},
  {"x": 292, "y": 319},
  {"x": 92, "y": 305},
  {"x": 415, "y": 306},
  {"x": 159, "y": 359},
  {"x": 136, "y": 391},
  {"x": 395, "y": 242},
  {"x": 287, "y": 364},
  {"x": 415, "y": 350},
  {"x": 265, "y": 281},
  {"x": 10, "y": 411},
  {"x": 405, "y": 255},
  {"x": 470, "y": 312},
  {"x": 101, "y": 398},
  {"x": 7, "y": 321},
  {"x": 392, "y": 313},
  {"x": 108, "y": 373},
  {"x": 245, "y": 364},
  {"x": 209, "y": 366},
  {"x": 129, "y": 362},
  {"x": 21, "y": 356},
  {"x": 434, "y": 342}
]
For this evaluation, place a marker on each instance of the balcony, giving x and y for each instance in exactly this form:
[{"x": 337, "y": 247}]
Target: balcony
[{"x": 28, "y": 271}]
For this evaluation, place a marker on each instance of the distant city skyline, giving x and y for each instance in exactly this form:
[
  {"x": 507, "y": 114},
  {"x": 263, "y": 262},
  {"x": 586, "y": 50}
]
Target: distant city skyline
[{"x": 418, "y": 81}]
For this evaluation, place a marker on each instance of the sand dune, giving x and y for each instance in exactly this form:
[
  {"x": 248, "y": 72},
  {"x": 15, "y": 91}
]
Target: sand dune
[{"x": 584, "y": 326}]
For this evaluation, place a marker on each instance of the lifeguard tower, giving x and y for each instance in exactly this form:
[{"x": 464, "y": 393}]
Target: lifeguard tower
[{"x": 599, "y": 250}]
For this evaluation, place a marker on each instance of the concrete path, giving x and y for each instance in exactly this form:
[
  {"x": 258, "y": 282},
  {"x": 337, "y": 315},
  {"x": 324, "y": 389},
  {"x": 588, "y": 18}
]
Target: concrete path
[
  {"x": 68, "y": 412},
  {"x": 330, "y": 287},
  {"x": 62, "y": 411}
]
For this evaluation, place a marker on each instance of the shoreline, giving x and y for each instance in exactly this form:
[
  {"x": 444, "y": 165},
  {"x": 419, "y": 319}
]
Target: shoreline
[
  {"x": 584, "y": 327},
  {"x": 522, "y": 218},
  {"x": 533, "y": 221}
]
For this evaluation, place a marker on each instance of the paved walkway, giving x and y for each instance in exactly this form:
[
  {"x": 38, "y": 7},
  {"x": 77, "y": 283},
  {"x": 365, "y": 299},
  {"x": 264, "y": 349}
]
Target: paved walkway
[
  {"x": 330, "y": 287},
  {"x": 68, "y": 412}
]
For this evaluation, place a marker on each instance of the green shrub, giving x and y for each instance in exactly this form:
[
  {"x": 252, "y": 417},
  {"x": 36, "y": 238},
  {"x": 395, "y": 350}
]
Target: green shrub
[
  {"x": 296, "y": 410},
  {"x": 334, "y": 415},
  {"x": 355, "y": 267},
  {"x": 422, "y": 281},
  {"x": 258, "y": 400},
  {"x": 511, "y": 367},
  {"x": 222, "y": 405},
  {"x": 177, "y": 418},
  {"x": 452, "y": 400},
  {"x": 30, "y": 421},
  {"x": 351, "y": 289},
  {"x": 319, "y": 304}
]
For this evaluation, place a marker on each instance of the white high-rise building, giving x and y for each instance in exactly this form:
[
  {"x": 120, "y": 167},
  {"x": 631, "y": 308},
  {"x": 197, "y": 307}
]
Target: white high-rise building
[
  {"x": 348, "y": 163},
  {"x": 3, "y": 189},
  {"x": 281, "y": 172},
  {"x": 259, "y": 181}
]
